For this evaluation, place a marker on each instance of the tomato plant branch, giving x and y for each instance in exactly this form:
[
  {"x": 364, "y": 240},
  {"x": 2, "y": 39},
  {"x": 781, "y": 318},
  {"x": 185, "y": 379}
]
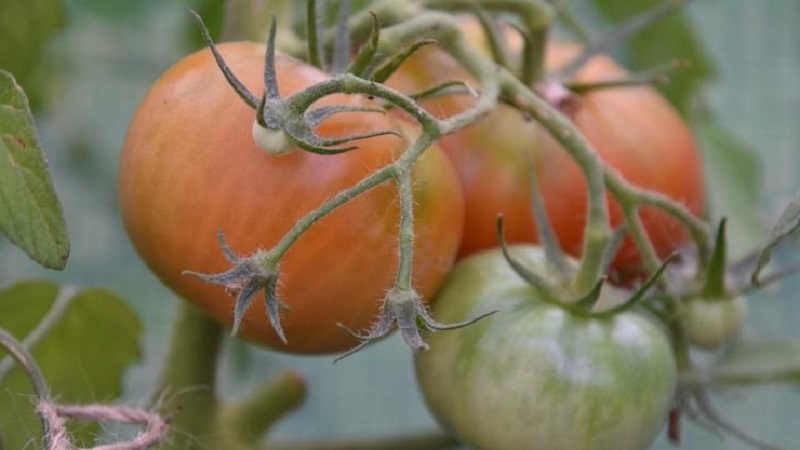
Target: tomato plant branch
[
  {"x": 60, "y": 304},
  {"x": 188, "y": 378},
  {"x": 490, "y": 77},
  {"x": 290, "y": 114},
  {"x": 292, "y": 117},
  {"x": 535, "y": 14},
  {"x": 252, "y": 417},
  {"x": 596, "y": 238},
  {"x": 360, "y": 25},
  {"x": 627, "y": 193},
  {"x": 17, "y": 351},
  {"x": 187, "y": 387},
  {"x": 301, "y": 226},
  {"x": 598, "y": 233},
  {"x": 603, "y": 43},
  {"x": 405, "y": 264},
  {"x": 54, "y": 417},
  {"x": 643, "y": 241},
  {"x": 434, "y": 440}
]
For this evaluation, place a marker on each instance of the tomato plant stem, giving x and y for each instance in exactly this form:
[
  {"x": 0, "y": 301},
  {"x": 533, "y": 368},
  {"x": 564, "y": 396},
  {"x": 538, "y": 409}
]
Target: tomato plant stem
[
  {"x": 598, "y": 231},
  {"x": 54, "y": 314},
  {"x": 492, "y": 80},
  {"x": 189, "y": 380},
  {"x": 636, "y": 228},
  {"x": 626, "y": 193},
  {"x": 302, "y": 225},
  {"x": 406, "y": 233},
  {"x": 188, "y": 376},
  {"x": 605, "y": 42},
  {"x": 42, "y": 392},
  {"x": 446, "y": 30},
  {"x": 313, "y": 26},
  {"x": 250, "y": 419},
  {"x": 495, "y": 82}
]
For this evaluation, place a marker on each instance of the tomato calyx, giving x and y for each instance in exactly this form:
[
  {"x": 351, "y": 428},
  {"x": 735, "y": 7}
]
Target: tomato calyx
[
  {"x": 247, "y": 277},
  {"x": 405, "y": 309},
  {"x": 557, "y": 293},
  {"x": 282, "y": 125}
]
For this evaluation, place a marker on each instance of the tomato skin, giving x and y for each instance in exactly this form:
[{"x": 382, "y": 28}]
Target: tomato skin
[
  {"x": 535, "y": 377},
  {"x": 633, "y": 129},
  {"x": 710, "y": 323},
  {"x": 189, "y": 167}
]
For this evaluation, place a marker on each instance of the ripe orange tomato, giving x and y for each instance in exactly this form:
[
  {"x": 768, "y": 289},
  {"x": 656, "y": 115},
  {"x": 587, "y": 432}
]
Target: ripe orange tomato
[
  {"x": 189, "y": 166},
  {"x": 633, "y": 129}
]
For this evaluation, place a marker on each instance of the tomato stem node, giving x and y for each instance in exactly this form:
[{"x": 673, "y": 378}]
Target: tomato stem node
[
  {"x": 406, "y": 310},
  {"x": 247, "y": 277}
]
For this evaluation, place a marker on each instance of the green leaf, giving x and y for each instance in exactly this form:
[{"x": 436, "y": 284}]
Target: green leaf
[
  {"x": 734, "y": 180},
  {"x": 30, "y": 213},
  {"x": 668, "y": 39},
  {"x": 788, "y": 224},
  {"x": 83, "y": 354},
  {"x": 759, "y": 362},
  {"x": 25, "y": 28}
]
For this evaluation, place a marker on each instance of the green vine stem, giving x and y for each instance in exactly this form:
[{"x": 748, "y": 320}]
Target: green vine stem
[
  {"x": 63, "y": 299},
  {"x": 496, "y": 83},
  {"x": 188, "y": 379},
  {"x": 187, "y": 389},
  {"x": 402, "y": 307},
  {"x": 42, "y": 392},
  {"x": 292, "y": 118},
  {"x": 54, "y": 417},
  {"x": 406, "y": 234},
  {"x": 632, "y": 26},
  {"x": 251, "y": 418},
  {"x": 628, "y": 194},
  {"x": 446, "y": 30}
]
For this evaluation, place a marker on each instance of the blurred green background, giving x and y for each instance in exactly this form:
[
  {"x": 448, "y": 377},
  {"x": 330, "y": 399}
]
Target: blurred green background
[{"x": 99, "y": 60}]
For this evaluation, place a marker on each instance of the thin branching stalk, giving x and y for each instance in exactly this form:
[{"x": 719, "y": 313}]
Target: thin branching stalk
[
  {"x": 40, "y": 388},
  {"x": 63, "y": 299},
  {"x": 406, "y": 233}
]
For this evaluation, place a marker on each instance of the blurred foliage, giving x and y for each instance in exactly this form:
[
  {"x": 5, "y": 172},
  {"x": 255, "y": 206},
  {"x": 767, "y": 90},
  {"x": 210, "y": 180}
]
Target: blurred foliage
[
  {"x": 788, "y": 225},
  {"x": 25, "y": 27},
  {"x": 116, "y": 9},
  {"x": 83, "y": 356},
  {"x": 733, "y": 168},
  {"x": 671, "y": 38},
  {"x": 212, "y": 12},
  {"x": 30, "y": 213},
  {"x": 734, "y": 179},
  {"x": 759, "y": 362}
]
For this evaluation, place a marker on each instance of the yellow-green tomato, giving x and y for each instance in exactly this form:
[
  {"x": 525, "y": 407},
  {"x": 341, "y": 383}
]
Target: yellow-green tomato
[
  {"x": 712, "y": 322},
  {"x": 534, "y": 376}
]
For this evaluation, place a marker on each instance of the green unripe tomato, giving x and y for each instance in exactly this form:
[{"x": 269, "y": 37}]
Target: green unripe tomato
[
  {"x": 712, "y": 322},
  {"x": 534, "y": 376}
]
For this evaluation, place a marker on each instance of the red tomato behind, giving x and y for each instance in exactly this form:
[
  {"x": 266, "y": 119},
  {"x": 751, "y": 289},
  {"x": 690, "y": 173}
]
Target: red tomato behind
[{"x": 633, "y": 129}]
